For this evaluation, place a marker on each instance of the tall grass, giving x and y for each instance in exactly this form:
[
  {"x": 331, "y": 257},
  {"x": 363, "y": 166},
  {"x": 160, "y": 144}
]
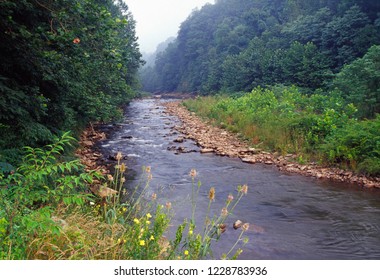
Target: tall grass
[
  {"x": 320, "y": 127},
  {"x": 46, "y": 212}
]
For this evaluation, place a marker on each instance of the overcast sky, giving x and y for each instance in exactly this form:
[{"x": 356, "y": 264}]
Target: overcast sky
[{"x": 157, "y": 20}]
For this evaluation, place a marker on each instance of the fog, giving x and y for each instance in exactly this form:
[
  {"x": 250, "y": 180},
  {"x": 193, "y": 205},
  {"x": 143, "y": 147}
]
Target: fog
[{"x": 158, "y": 20}]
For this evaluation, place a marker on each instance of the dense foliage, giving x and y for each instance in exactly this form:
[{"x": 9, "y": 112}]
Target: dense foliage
[
  {"x": 236, "y": 45},
  {"x": 47, "y": 212},
  {"x": 297, "y": 76},
  {"x": 63, "y": 64},
  {"x": 320, "y": 127}
]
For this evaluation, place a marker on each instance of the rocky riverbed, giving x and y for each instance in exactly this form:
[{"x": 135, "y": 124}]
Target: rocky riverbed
[{"x": 216, "y": 140}]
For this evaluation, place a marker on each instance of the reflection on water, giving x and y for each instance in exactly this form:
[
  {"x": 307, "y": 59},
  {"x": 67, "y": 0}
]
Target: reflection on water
[{"x": 291, "y": 217}]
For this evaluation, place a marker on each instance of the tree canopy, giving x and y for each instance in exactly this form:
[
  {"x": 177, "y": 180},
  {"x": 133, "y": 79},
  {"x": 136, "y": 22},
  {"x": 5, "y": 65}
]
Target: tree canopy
[
  {"x": 63, "y": 64},
  {"x": 236, "y": 45}
]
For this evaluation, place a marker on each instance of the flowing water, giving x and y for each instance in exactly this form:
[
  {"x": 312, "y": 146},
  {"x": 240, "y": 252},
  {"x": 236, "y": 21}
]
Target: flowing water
[{"x": 291, "y": 216}]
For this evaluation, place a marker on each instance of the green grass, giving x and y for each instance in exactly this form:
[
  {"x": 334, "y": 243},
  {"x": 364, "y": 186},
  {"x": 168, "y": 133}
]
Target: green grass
[{"x": 320, "y": 127}]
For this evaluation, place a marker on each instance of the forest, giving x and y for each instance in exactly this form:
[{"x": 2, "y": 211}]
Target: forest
[
  {"x": 66, "y": 65},
  {"x": 237, "y": 45},
  {"x": 291, "y": 76},
  {"x": 288, "y": 76},
  {"x": 63, "y": 65}
]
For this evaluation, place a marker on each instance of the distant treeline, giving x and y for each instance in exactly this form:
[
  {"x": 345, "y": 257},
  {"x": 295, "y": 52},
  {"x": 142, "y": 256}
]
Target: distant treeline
[
  {"x": 237, "y": 45},
  {"x": 63, "y": 64}
]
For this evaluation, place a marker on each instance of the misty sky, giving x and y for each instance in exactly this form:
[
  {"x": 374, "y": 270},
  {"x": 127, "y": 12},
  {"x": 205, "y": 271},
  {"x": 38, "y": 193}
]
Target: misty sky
[{"x": 158, "y": 20}]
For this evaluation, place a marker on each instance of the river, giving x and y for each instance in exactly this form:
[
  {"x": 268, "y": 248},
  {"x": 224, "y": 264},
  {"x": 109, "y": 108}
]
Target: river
[{"x": 291, "y": 216}]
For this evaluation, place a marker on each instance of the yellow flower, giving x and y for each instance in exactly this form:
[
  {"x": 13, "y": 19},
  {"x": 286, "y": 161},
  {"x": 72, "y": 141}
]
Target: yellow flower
[
  {"x": 211, "y": 194},
  {"x": 151, "y": 237},
  {"x": 186, "y": 252},
  {"x": 123, "y": 167},
  {"x": 148, "y": 215},
  {"x": 136, "y": 221},
  {"x": 142, "y": 242},
  {"x": 124, "y": 209},
  {"x": 147, "y": 222}
]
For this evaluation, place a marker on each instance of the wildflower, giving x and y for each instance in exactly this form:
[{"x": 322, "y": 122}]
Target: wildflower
[
  {"x": 119, "y": 156},
  {"x": 123, "y": 167},
  {"x": 211, "y": 194},
  {"x": 193, "y": 173},
  {"x": 122, "y": 179},
  {"x": 76, "y": 41},
  {"x": 230, "y": 197},
  {"x": 92, "y": 203},
  {"x": 245, "y": 227},
  {"x": 168, "y": 205},
  {"x": 124, "y": 209},
  {"x": 136, "y": 221},
  {"x": 151, "y": 237},
  {"x": 237, "y": 224},
  {"x": 119, "y": 240},
  {"x": 150, "y": 177},
  {"x": 110, "y": 177},
  {"x": 224, "y": 212},
  {"x": 147, "y": 169},
  {"x": 147, "y": 222},
  {"x": 190, "y": 232},
  {"x": 154, "y": 196},
  {"x": 142, "y": 242},
  {"x": 148, "y": 215},
  {"x": 186, "y": 252},
  {"x": 222, "y": 228},
  {"x": 244, "y": 189}
]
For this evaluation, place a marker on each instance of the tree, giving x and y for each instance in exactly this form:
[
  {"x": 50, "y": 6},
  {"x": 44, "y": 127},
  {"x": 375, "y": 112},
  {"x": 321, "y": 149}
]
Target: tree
[
  {"x": 348, "y": 37},
  {"x": 63, "y": 64},
  {"x": 359, "y": 83}
]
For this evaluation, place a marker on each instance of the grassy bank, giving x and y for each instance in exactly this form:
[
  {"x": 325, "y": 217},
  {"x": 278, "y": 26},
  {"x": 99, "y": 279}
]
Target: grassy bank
[
  {"x": 319, "y": 127},
  {"x": 51, "y": 208}
]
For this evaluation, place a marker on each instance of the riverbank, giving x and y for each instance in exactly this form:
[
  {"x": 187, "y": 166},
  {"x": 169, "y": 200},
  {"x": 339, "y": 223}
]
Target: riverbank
[
  {"x": 88, "y": 154},
  {"x": 216, "y": 140}
]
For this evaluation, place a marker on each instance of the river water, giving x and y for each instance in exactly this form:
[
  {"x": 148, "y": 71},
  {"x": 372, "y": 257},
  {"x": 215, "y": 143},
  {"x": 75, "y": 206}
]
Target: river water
[{"x": 291, "y": 216}]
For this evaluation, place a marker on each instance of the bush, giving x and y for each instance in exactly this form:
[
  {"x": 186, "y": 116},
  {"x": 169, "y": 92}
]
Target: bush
[
  {"x": 356, "y": 145},
  {"x": 320, "y": 126}
]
